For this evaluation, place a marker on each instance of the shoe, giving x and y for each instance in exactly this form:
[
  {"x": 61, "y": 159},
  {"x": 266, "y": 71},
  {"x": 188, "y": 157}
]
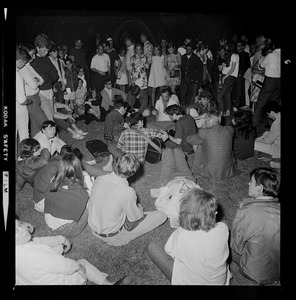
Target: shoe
[
  {"x": 77, "y": 136},
  {"x": 81, "y": 132},
  {"x": 235, "y": 109},
  {"x": 227, "y": 114},
  {"x": 126, "y": 280},
  {"x": 275, "y": 165}
]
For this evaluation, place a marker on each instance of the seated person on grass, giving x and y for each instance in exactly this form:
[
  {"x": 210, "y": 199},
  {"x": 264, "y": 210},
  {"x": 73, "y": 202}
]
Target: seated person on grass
[
  {"x": 255, "y": 234},
  {"x": 270, "y": 142},
  {"x": 137, "y": 101},
  {"x": 184, "y": 126},
  {"x": 47, "y": 137},
  {"x": 201, "y": 107},
  {"x": 31, "y": 158},
  {"x": 130, "y": 141},
  {"x": 42, "y": 261},
  {"x": 196, "y": 253},
  {"x": 114, "y": 215}
]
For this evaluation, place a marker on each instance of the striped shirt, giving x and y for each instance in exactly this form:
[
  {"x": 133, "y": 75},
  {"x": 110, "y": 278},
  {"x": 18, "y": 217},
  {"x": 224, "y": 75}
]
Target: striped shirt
[{"x": 131, "y": 142}]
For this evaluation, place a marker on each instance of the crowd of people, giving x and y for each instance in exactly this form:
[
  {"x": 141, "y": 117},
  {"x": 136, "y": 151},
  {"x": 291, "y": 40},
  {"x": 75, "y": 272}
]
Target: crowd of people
[{"x": 197, "y": 105}]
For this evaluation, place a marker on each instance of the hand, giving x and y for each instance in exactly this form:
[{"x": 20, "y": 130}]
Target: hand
[
  {"x": 82, "y": 268},
  {"x": 70, "y": 117},
  {"x": 68, "y": 108},
  {"x": 29, "y": 226},
  {"x": 66, "y": 246}
]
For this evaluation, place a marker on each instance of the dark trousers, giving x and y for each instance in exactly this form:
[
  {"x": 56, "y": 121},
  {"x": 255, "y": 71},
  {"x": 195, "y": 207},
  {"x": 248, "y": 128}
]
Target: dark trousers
[
  {"x": 98, "y": 81},
  {"x": 224, "y": 96},
  {"x": 36, "y": 114},
  {"x": 239, "y": 92},
  {"x": 271, "y": 91},
  {"x": 188, "y": 91}
]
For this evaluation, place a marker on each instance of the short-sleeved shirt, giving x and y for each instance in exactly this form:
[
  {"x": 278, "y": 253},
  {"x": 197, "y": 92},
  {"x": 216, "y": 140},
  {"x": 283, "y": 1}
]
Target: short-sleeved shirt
[
  {"x": 234, "y": 58},
  {"x": 160, "y": 107},
  {"x": 272, "y": 64},
  {"x": 111, "y": 201},
  {"x": 131, "y": 142},
  {"x": 185, "y": 127},
  {"x": 101, "y": 62}
]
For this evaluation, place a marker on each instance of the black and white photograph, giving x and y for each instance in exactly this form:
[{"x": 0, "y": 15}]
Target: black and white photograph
[{"x": 143, "y": 149}]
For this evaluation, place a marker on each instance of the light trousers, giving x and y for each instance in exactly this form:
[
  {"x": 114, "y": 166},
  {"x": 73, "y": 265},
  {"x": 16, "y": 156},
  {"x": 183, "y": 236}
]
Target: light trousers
[
  {"x": 47, "y": 106},
  {"x": 22, "y": 121}
]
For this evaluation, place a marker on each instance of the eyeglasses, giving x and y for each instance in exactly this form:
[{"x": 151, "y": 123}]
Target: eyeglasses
[{"x": 184, "y": 187}]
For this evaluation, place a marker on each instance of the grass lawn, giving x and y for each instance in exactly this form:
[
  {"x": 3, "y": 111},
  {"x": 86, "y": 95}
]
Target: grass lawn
[{"x": 132, "y": 258}]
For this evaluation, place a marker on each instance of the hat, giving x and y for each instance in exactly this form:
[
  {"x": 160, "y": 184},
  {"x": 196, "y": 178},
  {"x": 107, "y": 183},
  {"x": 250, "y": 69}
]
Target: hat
[{"x": 109, "y": 39}]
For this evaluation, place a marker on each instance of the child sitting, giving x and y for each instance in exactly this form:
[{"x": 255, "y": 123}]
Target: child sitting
[
  {"x": 201, "y": 107},
  {"x": 80, "y": 96}
]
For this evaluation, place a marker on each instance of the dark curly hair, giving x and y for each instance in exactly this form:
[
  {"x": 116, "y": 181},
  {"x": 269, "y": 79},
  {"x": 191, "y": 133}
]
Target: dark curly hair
[{"x": 243, "y": 123}]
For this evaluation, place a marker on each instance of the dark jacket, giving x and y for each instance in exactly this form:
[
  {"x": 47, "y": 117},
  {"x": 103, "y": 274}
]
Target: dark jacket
[
  {"x": 45, "y": 68},
  {"x": 192, "y": 67},
  {"x": 255, "y": 236},
  {"x": 131, "y": 100},
  {"x": 72, "y": 79},
  {"x": 28, "y": 168}
]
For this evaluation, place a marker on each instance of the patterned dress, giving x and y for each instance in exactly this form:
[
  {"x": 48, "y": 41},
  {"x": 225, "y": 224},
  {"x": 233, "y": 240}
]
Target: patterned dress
[
  {"x": 138, "y": 70},
  {"x": 172, "y": 62}
]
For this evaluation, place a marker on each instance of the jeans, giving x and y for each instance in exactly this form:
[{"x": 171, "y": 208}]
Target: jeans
[
  {"x": 188, "y": 91},
  {"x": 224, "y": 96},
  {"x": 47, "y": 106},
  {"x": 239, "y": 92},
  {"x": 173, "y": 164},
  {"x": 162, "y": 260}
]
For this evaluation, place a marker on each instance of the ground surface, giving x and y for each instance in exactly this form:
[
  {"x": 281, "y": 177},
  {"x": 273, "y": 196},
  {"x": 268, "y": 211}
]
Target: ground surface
[{"x": 132, "y": 258}]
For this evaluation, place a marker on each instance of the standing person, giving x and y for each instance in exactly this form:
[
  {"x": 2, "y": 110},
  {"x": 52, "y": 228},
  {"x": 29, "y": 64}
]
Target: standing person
[
  {"x": 239, "y": 85},
  {"x": 214, "y": 158},
  {"x": 100, "y": 65},
  {"x": 255, "y": 233},
  {"x": 184, "y": 127},
  {"x": 139, "y": 65},
  {"x": 72, "y": 82},
  {"x": 44, "y": 67},
  {"x": 112, "y": 197},
  {"x": 22, "y": 115},
  {"x": 115, "y": 62},
  {"x": 191, "y": 76},
  {"x": 41, "y": 261},
  {"x": 172, "y": 63},
  {"x": 182, "y": 49},
  {"x": 130, "y": 51},
  {"x": 147, "y": 51},
  {"x": 81, "y": 75},
  {"x": 196, "y": 253},
  {"x": 271, "y": 89},
  {"x": 32, "y": 82},
  {"x": 230, "y": 73},
  {"x": 78, "y": 56},
  {"x": 121, "y": 79},
  {"x": 164, "y": 44},
  {"x": 202, "y": 52},
  {"x": 157, "y": 73},
  {"x": 60, "y": 84},
  {"x": 65, "y": 205}
]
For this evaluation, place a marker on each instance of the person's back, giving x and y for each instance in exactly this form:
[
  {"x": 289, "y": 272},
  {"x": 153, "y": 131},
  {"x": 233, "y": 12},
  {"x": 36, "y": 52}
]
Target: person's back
[
  {"x": 261, "y": 255},
  {"x": 200, "y": 256}
]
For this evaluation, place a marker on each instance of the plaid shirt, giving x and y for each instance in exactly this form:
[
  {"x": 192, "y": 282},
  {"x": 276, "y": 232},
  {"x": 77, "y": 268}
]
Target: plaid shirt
[{"x": 131, "y": 142}]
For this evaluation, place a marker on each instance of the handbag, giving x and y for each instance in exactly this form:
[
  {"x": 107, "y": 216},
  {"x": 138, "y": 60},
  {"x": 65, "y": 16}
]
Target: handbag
[
  {"x": 174, "y": 73},
  {"x": 154, "y": 150},
  {"x": 258, "y": 84},
  {"x": 119, "y": 74}
]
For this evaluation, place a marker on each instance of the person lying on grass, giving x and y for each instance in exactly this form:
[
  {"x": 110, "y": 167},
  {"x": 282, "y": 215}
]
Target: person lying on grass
[{"x": 41, "y": 261}]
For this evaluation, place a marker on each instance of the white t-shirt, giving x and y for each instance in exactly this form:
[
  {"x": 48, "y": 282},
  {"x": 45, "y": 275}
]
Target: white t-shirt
[
  {"x": 234, "y": 58},
  {"x": 272, "y": 64},
  {"x": 199, "y": 256},
  {"x": 159, "y": 106},
  {"x": 100, "y": 62}
]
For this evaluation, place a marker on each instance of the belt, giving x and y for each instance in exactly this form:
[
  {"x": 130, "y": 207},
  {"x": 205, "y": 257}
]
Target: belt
[{"x": 110, "y": 234}]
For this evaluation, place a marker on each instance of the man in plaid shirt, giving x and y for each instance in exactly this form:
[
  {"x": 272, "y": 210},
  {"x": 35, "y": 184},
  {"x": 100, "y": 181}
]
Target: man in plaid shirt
[{"x": 132, "y": 142}]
